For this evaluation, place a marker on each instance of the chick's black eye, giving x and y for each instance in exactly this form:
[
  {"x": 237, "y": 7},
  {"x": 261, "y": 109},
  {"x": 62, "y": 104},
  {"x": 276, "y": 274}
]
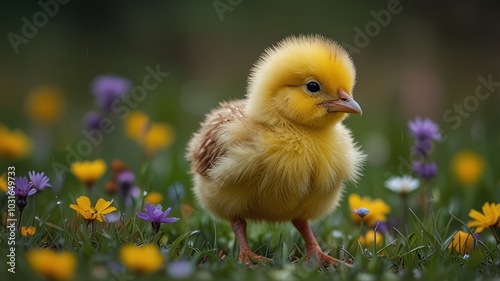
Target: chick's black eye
[{"x": 313, "y": 87}]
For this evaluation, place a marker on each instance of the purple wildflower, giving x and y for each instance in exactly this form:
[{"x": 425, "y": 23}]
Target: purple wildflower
[
  {"x": 125, "y": 181},
  {"x": 425, "y": 170},
  {"x": 423, "y": 147},
  {"x": 22, "y": 190},
  {"x": 180, "y": 269},
  {"x": 424, "y": 129},
  {"x": 426, "y": 132},
  {"x": 135, "y": 192},
  {"x": 107, "y": 88},
  {"x": 39, "y": 180},
  {"x": 92, "y": 121},
  {"x": 381, "y": 227},
  {"x": 126, "y": 177},
  {"x": 156, "y": 216},
  {"x": 23, "y": 187},
  {"x": 361, "y": 212}
]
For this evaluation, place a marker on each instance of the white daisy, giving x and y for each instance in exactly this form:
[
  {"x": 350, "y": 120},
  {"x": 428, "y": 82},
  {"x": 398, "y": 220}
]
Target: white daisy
[{"x": 404, "y": 184}]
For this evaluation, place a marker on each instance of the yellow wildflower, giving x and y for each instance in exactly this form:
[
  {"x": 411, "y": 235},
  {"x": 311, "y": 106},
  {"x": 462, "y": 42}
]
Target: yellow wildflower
[
  {"x": 89, "y": 172},
  {"x": 462, "y": 243},
  {"x": 52, "y": 265},
  {"x": 136, "y": 125},
  {"x": 159, "y": 135},
  {"x": 151, "y": 136},
  {"x": 367, "y": 240},
  {"x": 89, "y": 213},
  {"x": 3, "y": 183},
  {"x": 144, "y": 259},
  {"x": 154, "y": 198},
  {"x": 13, "y": 144},
  {"x": 490, "y": 217},
  {"x": 378, "y": 209},
  {"x": 468, "y": 166},
  {"x": 28, "y": 231},
  {"x": 45, "y": 104}
]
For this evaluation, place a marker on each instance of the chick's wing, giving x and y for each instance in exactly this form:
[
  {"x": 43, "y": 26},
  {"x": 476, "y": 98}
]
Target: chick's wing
[{"x": 207, "y": 145}]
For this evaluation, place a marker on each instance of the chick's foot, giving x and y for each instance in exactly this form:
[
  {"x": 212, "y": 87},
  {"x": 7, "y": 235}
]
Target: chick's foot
[
  {"x": 312, "y": 246},
  {"x": 249, "y": 258},
  {"x": 246, "y": 255},
  {"x": 322, "y": 258}
]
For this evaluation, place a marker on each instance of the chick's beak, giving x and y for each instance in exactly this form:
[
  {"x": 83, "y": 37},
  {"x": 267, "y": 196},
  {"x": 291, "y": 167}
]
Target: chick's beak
[{"x": 344, "y": 103}]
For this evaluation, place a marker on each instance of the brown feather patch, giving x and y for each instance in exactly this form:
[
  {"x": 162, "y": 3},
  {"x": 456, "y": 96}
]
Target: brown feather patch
[{"x": 206, "y": 147}]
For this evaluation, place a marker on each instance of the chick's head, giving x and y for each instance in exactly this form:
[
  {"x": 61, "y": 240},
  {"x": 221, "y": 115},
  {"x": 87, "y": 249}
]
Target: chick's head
[{"x": 305, "y": 80}]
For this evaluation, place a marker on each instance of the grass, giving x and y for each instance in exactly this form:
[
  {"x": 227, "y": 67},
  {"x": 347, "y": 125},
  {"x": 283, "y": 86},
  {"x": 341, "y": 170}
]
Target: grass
[
  {"x": 413, "y": 249},
  {"x": 417, "y": 252}
]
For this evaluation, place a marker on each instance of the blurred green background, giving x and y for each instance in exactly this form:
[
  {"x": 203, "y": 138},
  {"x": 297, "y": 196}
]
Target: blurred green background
[{"x": 423, "y": 61}]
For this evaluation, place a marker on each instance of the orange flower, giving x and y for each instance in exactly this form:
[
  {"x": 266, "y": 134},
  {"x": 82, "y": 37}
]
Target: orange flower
[
  {"x": 151, "y": 136},
  {"x": 490, "y": 217},
  {"x": 144, "y": 259},
  {"x": 468, "y": 166},
  {"x": 462, "y": 243},
  {"x": 52, "y": 265},
  {"x": 89, "y": 172},
  {"x": 370, "y": 237},
  {"x": 45, "y": 104},
  {"x": 154, "y": 198},
  {"x": 90, "y": 213},
  {"x": 13, "y": 144},
  {"x": 159, "y": 135},
  {"x": 378, "y": 209},
  {"x": 136, "y": 125},
  {"x": 28, "y": 231},
  {"x": 3, "y": 183}
]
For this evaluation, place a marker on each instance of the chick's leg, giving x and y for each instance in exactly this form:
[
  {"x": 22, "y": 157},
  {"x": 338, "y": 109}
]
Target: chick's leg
[
  {"x": 246, "y": 255},
  {"x": 312, "y": 245}
]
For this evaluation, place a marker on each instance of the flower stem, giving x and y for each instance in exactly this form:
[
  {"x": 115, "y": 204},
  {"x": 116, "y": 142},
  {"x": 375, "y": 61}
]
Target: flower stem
[
  {"x": 360, "y": 230},
  {"x": 20, "y": 220},
  {"x": 404, "y": 214},
  {"x": 492, "y": 228},
  {"x": 428, "y": 200},
  {"x": 89, "y": 226},
  {"x": 155, "y": 227},
  {"x": 33, "y": 203}
]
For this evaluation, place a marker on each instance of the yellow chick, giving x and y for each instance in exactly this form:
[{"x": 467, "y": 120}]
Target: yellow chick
[{"x": 281, "y": 154}]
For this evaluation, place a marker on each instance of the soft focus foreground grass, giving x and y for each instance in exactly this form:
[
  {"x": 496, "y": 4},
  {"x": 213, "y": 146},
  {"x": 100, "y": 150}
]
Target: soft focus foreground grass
[{"x": 418, "y": 255}]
